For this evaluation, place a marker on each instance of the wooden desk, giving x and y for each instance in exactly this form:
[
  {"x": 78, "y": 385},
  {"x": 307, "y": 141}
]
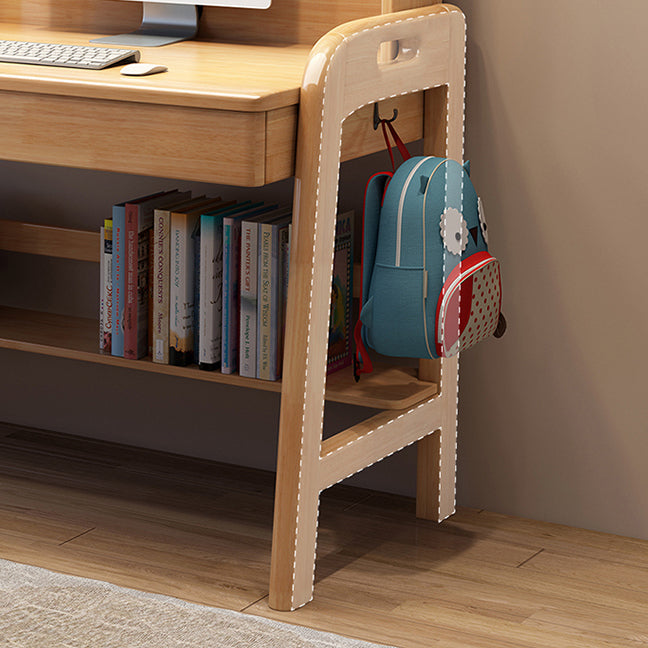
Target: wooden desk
[
  {"x": 225, "y": 112},
  {"x": 248, "y": 115}
]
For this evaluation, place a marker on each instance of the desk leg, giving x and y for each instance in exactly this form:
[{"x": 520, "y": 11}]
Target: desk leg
[
  {"x": 304, "y": 370},
  {"x": 302, "y": 416}
]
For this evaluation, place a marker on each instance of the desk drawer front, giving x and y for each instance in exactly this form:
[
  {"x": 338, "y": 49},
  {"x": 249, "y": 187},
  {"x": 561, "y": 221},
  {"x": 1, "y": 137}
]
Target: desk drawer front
[{"x": 226, "y": 147}]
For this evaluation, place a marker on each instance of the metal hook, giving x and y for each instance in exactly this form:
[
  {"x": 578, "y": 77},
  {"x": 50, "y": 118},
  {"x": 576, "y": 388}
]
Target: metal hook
[{"x": 377, "y": 119}]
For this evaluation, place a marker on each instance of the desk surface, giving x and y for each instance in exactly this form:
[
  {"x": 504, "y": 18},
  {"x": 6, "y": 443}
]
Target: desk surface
[
  {"x": 173, "y": 124},
  {"x": 239, "y": 77}
]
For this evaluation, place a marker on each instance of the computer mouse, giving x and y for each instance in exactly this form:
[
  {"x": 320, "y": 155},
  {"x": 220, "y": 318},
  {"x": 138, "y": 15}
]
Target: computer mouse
[{"x": 142, "y": 69}]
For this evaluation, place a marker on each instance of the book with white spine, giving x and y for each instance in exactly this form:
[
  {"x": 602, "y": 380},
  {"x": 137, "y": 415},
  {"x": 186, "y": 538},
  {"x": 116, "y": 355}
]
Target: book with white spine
[
  {"x": 210, "y": 299},
  {"x": 160, "y": 260},
  {"x": 268, "y": 302},
  {"x": 232, "y": 225},
  {"x": 181, "y": 288},
  {"x": 249, "y": 293}
]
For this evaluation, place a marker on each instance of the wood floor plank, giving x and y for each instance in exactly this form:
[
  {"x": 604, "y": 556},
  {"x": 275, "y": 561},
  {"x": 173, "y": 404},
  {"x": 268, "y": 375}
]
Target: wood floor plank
[
  {"x": 557, "y": 537},
  {"x": 134, "y": 570},
  {"x": 22, "y": 524},
  {"x": 630, "y": 628},
  {"x": 420, "y": 597},
  {"x": 549, "y": 588},
  {"x": 590, "y": 570},
  {"x": 201, "y": 531}
]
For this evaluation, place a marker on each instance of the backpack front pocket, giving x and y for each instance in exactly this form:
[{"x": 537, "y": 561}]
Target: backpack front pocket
[
  {"x": 394, "y": 312},
  {"x": 469, "y": 304}
]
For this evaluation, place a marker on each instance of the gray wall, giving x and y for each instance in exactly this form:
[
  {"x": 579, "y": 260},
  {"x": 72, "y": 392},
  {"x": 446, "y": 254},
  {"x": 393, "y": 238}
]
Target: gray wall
[{"x": 553, "y": 417}]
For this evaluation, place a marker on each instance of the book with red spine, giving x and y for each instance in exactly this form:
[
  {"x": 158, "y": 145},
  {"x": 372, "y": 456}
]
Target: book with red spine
[
  {"x": 139, "y": 220},
  {"x": 119, "y": 274}
]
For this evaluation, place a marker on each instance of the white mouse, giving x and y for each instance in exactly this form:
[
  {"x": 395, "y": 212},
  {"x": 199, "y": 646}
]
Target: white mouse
[{"x": 141, "y": 69}]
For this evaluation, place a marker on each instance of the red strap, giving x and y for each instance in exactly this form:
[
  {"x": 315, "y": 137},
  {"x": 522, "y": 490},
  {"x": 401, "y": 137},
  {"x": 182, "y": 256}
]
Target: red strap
[
  {"x": 389, "y": 147},
  {"x": 398, "y": 142},
  {"x": 361, "y": 360},
  {"x": 405, "y": 154}
]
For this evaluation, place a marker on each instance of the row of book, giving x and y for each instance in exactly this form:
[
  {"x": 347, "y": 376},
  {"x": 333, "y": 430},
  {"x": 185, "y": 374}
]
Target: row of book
[{"x": 204, "y": 280}]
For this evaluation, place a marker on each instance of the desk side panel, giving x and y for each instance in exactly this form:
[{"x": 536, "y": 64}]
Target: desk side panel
[{"x": 224, "y": 147}]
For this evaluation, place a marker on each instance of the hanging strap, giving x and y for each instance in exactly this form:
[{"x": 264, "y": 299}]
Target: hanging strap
[
  {"x": 398, "y": 142},
  {"x": 361, "y": 360}
]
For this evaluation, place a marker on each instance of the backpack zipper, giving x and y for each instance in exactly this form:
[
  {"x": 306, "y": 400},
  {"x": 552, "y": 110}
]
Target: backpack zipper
[{"x": 401, "y": 204}]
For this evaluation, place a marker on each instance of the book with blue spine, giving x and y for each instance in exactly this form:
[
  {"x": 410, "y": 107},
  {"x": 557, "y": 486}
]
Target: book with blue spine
[
  {"x": 118, "y": 279},
  {"x": 209, "y": 299},
  {"x": 139, "y": 220},
  {"x": 119, "y": 273},
  {"x": 102, "y": 287}
]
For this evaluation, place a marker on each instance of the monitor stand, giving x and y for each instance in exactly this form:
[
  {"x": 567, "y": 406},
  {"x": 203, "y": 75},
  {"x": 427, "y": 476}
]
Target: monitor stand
[{"x": 162, "y": 24}]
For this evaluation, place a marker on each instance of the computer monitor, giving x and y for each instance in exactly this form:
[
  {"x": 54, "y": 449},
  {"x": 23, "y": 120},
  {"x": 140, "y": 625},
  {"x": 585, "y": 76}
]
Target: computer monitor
[{"x": 170, "y": 21}]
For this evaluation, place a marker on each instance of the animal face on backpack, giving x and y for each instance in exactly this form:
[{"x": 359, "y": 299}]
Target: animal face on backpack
[{"x": 430, "y": 287}]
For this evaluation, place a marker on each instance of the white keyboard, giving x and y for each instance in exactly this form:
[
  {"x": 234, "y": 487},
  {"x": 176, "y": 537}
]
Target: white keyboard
[{"x": 75, "y": 56}]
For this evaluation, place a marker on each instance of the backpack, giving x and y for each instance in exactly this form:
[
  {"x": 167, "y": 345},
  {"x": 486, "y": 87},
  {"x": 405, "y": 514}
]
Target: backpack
[{"x": 430, "y": 288}]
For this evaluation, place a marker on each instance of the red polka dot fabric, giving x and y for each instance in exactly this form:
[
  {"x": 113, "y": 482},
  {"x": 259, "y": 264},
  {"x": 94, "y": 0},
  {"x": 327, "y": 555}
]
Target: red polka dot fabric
[
  {"x": 484, "y": 308},
  {"x": 469, "y": 305}
]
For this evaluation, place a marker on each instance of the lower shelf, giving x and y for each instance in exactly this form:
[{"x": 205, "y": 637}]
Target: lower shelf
[{"x": 77, "y": 338}]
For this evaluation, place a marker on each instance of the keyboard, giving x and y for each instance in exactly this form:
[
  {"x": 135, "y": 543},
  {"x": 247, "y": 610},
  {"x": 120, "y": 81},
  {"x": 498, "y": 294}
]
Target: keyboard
[{"x": 74, "y": 56}]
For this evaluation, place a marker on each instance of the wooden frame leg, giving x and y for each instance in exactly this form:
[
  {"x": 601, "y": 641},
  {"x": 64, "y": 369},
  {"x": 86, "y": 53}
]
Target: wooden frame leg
[
  {"x": 342, "y": 75},
  {"x": 304, "y": 370},
  {"x": 294, "y": 538},
  {"x": 437, "y": 454},
  {"x": 302, "y": 411}
]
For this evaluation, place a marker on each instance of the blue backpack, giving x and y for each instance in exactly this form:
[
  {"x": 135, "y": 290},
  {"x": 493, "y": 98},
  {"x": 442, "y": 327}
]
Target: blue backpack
[{"x": 430, "y": 288}]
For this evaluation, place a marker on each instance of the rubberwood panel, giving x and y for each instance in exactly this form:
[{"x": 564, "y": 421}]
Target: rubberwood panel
[
  {"x": 78, "y": 339},
  {"x": 167, "y": 141},
  {"x": 49, "y": 241}
]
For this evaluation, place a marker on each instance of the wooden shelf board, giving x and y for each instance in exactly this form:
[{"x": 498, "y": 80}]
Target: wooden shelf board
[{"x": 77, "y": 339}]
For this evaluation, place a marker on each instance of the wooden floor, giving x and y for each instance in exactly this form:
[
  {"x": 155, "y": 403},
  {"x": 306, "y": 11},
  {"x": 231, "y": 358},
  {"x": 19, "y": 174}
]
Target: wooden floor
[{"x": 201, "y": 531}]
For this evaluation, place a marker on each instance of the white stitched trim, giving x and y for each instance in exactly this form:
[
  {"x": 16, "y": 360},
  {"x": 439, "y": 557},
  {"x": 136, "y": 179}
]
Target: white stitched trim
[
  {"x": 308, "y": 338},
  {"x": 401, "y": 204}
]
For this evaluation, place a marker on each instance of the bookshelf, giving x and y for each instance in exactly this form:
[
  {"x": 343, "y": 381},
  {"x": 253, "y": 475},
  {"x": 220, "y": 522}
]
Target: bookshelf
[
  {"x": 288, "y": 107},
  {"x": 389, "y": 387}
]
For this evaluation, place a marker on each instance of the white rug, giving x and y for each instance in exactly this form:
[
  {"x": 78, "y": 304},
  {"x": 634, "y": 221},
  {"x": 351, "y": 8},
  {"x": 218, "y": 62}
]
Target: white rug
[{"x": 43, "y": 609}]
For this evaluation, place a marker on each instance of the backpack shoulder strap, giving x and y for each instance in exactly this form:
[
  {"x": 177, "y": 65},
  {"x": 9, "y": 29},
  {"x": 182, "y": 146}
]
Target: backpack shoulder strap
[
  {"x": 373, "y": 199},
  {"x": 374, "y": 194}
]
